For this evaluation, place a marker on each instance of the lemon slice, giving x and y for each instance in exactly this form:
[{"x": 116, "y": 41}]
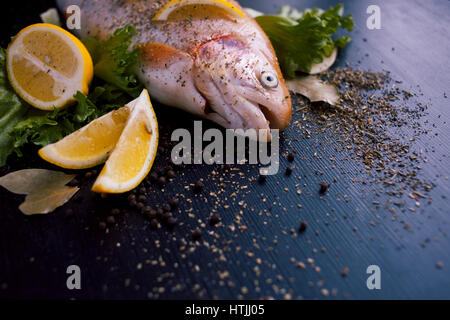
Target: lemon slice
[
  {"x": 134, "y": 153},
  {"x": 182, "y": 9},
  {"x": 90, "y": 145},
  {"x": 47, "y": 66}
]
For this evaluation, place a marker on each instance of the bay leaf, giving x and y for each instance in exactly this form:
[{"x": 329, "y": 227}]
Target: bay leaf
[
  {"x": 314, "y": 89},
  {"x": 46, "y": 190}
]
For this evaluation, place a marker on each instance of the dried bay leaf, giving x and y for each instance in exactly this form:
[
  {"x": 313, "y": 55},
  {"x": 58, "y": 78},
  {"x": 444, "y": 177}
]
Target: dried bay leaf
[
  {"x": 314, "y": 89},
  {"x": 46, "y": 190}
]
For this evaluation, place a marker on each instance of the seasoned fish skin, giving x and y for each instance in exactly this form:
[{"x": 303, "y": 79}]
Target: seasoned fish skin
[{"x": 209, "y": 67}]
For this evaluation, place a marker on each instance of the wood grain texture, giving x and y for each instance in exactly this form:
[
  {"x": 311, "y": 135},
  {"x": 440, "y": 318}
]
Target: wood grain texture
[{"x": 133, "y": 262}]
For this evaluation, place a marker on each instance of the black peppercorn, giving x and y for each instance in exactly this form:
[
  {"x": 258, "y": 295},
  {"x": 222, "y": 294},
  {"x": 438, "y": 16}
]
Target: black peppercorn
[
  {"x": 288, "y": 171},
  {"x": 174, "y": 203},
  {"x": 171, "y": 174},
  {"x": 291, "y": 156},
  {"x": 139, "y": 205},
  {"x": 153, "y": 177},
  {"x": 214, "y": 219},
  {"x": 171, "y": 222},
  {"x": 198, "y": 187},
  {"x": 153, "y": 224},
  {"x": 261, "y": 178},
  {"x": 302, "y": 227},
  {"x": 323, "y": 187},
  {"x": 161, "y": 181},
  {"x": 196, "y": 234}
]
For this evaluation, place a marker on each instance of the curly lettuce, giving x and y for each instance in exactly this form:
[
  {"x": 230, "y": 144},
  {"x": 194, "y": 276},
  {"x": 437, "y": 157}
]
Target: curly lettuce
[
  {"x": 113, "y": 62},
  {"x": 12, "y": 111},
  {"x": 302, "y": 39},
  {"x": 114, "y": 85}
]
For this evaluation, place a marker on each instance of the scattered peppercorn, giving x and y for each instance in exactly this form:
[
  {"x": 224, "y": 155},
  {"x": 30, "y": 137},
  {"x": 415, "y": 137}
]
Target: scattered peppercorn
[
  {"x": 151, "y": 214},
  {"x": 161, "y": 181},
  {"x": 171, "y": 174},
  {"x": 139, "y": 205},
  {"x": 302, "y": 227},
  {"x": 196, "y": 234},
  {"x": 345, "y": 271},
  {"x": 261, "y": 178},
  {"x": 214, "y": 219},
  {"x": 110, "y": 220},
  {"x": 167, "y": 215},
  {"x": 153, "y": 177},
  {"x": 171, "y": 222},
  {"x": 198, "y": 187},
  {"x": 159, "y": 213},
  {"x": 173, "y": 203},
  {"x": 154, "y": 224},
  {"x": 323, "y": 187},
  {"x": 291, "y": 156},
  {"x": 288, "y": 171},
  {"x": 146, "y": 210}
]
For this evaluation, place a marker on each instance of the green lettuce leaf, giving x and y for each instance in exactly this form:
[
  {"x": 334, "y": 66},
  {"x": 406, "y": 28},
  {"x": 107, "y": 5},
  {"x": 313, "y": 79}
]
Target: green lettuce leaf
[
  {"x": 113, "y": 61},
  {"x": 12, "y": 111},
  {"x": 302, "y": 39},
  {"x": 113, "y": 86},
  {"x": 42, "y": 128}
]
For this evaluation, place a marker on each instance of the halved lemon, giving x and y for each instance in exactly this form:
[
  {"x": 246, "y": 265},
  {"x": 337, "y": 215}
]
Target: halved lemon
[
  {"x": 47, "y": 66},
  {"x": 134, "y": 153},
  {"x": 182, "y": 9},
  {"x": 90, "y": 145}
]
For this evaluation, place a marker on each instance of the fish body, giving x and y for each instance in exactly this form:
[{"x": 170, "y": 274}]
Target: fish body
[{"x": 219, "y": 68}]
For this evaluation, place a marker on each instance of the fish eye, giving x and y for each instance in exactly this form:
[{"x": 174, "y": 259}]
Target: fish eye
[{"x": 268, "y": 79}]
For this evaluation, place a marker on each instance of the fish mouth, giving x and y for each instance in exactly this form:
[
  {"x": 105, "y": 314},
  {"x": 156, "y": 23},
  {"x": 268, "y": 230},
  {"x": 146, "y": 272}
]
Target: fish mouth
[
  {"x": 245, "y": 115},
  {"x": 257, "y": 118},
  {"x": 248, "y": 114},
  {"x": 229, "y": 108}
]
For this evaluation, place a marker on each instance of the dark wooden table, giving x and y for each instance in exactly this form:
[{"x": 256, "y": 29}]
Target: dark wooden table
[{"x": 130, "y": 261}]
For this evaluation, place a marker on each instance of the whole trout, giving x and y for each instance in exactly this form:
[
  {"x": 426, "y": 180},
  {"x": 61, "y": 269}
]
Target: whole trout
[{"x": 218, "y": 67}]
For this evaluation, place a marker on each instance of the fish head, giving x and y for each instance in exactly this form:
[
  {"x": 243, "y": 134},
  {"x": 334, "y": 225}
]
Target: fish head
[{"x": 242, "y": 84}]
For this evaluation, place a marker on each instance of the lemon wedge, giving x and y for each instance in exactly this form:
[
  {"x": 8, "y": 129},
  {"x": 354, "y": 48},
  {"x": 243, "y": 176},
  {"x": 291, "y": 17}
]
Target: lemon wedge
[
  {"x": 134, "y": 153},
  {"x": 127, "y": 139},
  {"x": 90, "y": 145},
  {"x": 47, "y": 65},
  {"x": 182, "y": 9}
]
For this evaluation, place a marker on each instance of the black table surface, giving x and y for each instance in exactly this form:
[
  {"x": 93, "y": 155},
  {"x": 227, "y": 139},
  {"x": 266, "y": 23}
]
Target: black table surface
[{"x": 130, "y": 261}]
